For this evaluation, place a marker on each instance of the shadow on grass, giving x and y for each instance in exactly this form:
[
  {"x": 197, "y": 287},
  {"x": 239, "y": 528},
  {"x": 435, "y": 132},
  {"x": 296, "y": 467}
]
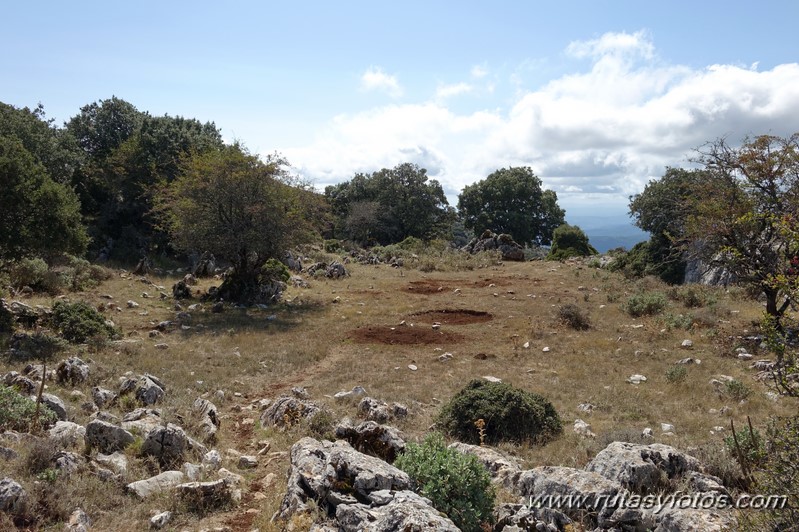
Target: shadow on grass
[{"x": 278, "y": 318}]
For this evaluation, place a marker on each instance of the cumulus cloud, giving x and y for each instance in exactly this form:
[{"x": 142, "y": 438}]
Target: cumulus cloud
[
  {"x": 375, "y": 79},
  {"x": 603, "y": 130},
  {"x": 446, "y": 91}
]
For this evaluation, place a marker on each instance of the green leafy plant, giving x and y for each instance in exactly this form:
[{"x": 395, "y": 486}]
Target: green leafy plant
[
  {"x": 16, "y": 411},
  {"x": 645, "y": 304},
  {"x": 79, "y": 322},
  {"x": 510, "y": 414},
  {"x": 274, "y": 270},
  {"x": 736, "y": 390},
  {"x": 676, "y": 374},
  {"x": 456, "y": 483}
]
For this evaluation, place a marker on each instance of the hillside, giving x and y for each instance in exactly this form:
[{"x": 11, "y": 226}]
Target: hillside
[{"x": 375, "y": 328}]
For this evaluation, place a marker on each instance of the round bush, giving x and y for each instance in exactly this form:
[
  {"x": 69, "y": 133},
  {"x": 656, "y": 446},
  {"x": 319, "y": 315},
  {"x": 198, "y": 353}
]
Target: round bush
[
  {"x": 79, "y": 322},
  {"x": 456, "y": 483},
  {"x": 510, "y": 414}
]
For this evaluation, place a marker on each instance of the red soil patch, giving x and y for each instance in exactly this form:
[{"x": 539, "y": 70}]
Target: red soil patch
[
  {"x": 484, "y": 283},
  {"x": 403, "y": 335},
  {"x": 449, "y": 316},
  {"x": 431, "y": 286}
]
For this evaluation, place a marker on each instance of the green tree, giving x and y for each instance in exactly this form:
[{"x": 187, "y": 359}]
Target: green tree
[
  {"x": 744, "y": 215},
  {"x": 570, "y": 241},
  {"x": 510, "y": 200},
  {"x": 390, "y": 205},
  {"x": 239, "y": 208},
  {"x": 662, "y": 209},
  {"x": 39, "y": 217}
]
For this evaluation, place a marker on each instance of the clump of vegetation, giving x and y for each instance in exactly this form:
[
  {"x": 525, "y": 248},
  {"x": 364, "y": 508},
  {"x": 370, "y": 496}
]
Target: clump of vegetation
[
  {"x": 572, "y": 316},
  {"x": 570, "y": 241},
  {"x": 274, "y": 270},
  {"x": 79, "y": 322},
  {"x": 17, "y": 411},
  {"x": 645, "y": 304},
  {"x": 6, "y": 320},
  {"x": 676, "y": 374},
  {"x": 692, "y": 296},
  {"x": 35, "y": 274},
  {"x": 510, "y": 414},
  {"x": 456, "y": 483},
  {"x": 679, "y": 321},
  {"x": 736, "y": 390},
  {"x": 780, "y": 475},
  {"x": 79, "y": 274}
]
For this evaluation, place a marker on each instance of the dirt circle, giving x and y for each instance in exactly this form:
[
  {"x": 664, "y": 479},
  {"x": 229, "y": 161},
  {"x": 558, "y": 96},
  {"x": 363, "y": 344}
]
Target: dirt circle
[
  {"x": 403, "y": 335},
  {"x": 450, "y": 316}
]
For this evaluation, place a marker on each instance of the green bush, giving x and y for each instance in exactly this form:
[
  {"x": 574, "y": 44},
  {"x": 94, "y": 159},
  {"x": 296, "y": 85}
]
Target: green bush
[
  {"x": 79, "y": 322},
  {"x": 679, "y": 321},
  {"x": 645, "y": 304},
  {"x": 510, "y": 414},
  {"x": 332, "y": 246},
  {"x": 572, "y": 316},
  {"x": 17, "y": 411},
  {"x": 456, "y": 483},
  {"x": 274, "y": 270},
  {"x": 736, "y": 390},
  {"x": 570, "y": 241},
  {"x": 35, "y": 274},
  {"x": 780, "y": 475},
  {"x": 753, "y": 451},
  {"x": 79, "y": 274}
]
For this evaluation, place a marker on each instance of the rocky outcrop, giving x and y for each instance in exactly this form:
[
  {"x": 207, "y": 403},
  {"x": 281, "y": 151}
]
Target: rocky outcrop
[
  {"x": 209, "y": 418},
  {"x": 107, "y": 437},
  {"x": 393, "y": 510},
  {"x": 375, "y": 410},
  {"x": 72, "y": 371},
  {"x": 13, "y": 498},
  {"x": 518, "y": 517},
  {"x": 503, "y": 471},
  {"x": 147, "y": 388},
  {"x": 326, "y": 475},
  {"x": 150, "y": 486},
  {"x": 642, "y": 468},
  {"x": 167, "y": 444},
  {"x": 503, "y": 243}
]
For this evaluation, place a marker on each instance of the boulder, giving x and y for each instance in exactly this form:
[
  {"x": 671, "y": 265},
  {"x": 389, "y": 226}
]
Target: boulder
[
  {"x": 67, "y": 434},
  {"x": 370, "y": 438},
  {"x": 67, "y": 462},
  {"x": 103, "y": 397},
  {"x": 380, "y": 411},
  {"x": 168, "y": 444},
  {"x": 512, "y": 517},
  {"x": 142, "y": 420},
  {"x": 13, "y": 498},
  {"x": 116, "y": 462},
  {"x": 106, "y": 437},
  {"x": 151, "y": 486},
  {"x": 209, "y": 418},
  {"x": 72, "y": 371},
  {"x": 393, "y": 510},
  {"x": 55, "y": 404},
  {"x": 159, "y": 521},
  {"x": 287, "y": 410},
  {"x": 148, "y": 389},
  {"x": 489, "y": 241},
  {"x": 79, "y": 521},
  {"x": 504, "y": 471},
  {"x": 642, "y": 468},
  {"x": 206, "y": 495},
  {"x": 327, "y": 474}
]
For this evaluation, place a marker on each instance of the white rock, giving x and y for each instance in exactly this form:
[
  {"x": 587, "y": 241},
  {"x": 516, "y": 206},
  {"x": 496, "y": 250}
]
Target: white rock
[
  {"x": 636, "y": 379},
  {"x": 526, "y": 345},
  {"x": 583, "y": 429},
  {"x": 666, "y": 427},
  {"x": 586, "y": 407},
  {"x": 546, "y": 350},
  {"x": 355, "y": 392},
  {"x": 647, "y": 433},
  {"x": 745, "y": 356},
  {"x": 132, "y": 304},
  {"x": 490, "y": 378},
  {"x": 161, "y": 520},
  {"x": 686, "y": 344},
  {"x": 412, "y": 367},
  {"x": 445, "y": 357}
]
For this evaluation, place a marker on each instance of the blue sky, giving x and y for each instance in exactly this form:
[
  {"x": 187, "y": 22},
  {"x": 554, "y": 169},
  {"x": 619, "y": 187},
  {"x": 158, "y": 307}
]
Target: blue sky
[{"x": 596, "y": 96}]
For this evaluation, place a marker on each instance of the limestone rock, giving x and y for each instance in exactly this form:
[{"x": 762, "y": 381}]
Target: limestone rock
[
  {"x": 206, "y": 495},
  {"x": 287, "y": 411},
  {"x": 503, "y": 470},
  {"x": 209, "y": 418},
  {"x": 78, "y": 521},
  {"x": 106, "y": 437},
  {"x": 13, "y": 498},
  {"x": 55, "y": 404},
  {"x": 159, "y": 521},
  {"x": 150, "y": 486},
  {"x": 117, "y": 462},
  {"x": 67, "y": 434},
  {"x": 371, "y": 438},
  {"x": 393, "y": 510},
  {"x": 512, "y": 517},
  {"x": 102, "y": 397},
  {"x": 142, "y": 420},
  {"x": 380, "y": 411},
  {"x": 167, "y": 444}
]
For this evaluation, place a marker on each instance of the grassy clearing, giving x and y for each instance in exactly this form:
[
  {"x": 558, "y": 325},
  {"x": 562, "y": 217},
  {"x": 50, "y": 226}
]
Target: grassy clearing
[{"x": 251, "y": 354}]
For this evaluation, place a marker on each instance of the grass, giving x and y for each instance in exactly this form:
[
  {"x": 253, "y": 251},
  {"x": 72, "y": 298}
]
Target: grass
[{"x": 305, "y": 341}]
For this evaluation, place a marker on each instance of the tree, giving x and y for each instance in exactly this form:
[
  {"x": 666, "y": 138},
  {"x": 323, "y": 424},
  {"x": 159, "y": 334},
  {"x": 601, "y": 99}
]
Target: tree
[
  {"x": 663, "y": 209},
  {"x": 239, "y": 208},
  {"x": 39, "y": 217},
  {"x": 390, "y": 205},
  {"x": 510, "y": 200},
  {"x": 745, "y": 215},
  {"x": 570, "y": 241}
]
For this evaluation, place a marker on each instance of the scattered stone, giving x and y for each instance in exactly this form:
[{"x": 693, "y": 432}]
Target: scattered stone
[
  {"x": 687, "y": 344},
  {"x": 300, "y": 392},
  {"x": 67, "y": 462},
  {"x": 117, "y": 462},
  {"x": 286, "y": 411},
  {"x": 248, "y": 462},
  {"x": 688, "y": 360},
  {"x": 586, "y": 407},
  {"x": 412, "y": 367},
  {"x": 380, "y": 411},
  {"x": 583, "y": 429},
  {"x": 148, "y": 389},
  {"x": 647, "y": 433},
  {"x": 161, "y": 346},
  {"x": 103, "y": 397},
  {"x": 546, "y": 350},
  {"x": 78, "y": 521},
  {"x": 55, "y": 404},
  {"x": 168, "y": 444},
  {"x": 13, "y": 498},
  {"x": 745, "y": 356},
  {"x": 212, "y": 460},
  {"x": 67, "y": 434},
  {"x": 159, "y": 521},
  {"x": 504, "y": 243},
  {"x": 666, "y": 427},
  {"x": 636, "y": 379},
  {"x": 132, "y": 304},
  {"x": 209, "y": 415},
  {"x": 445, "y": 357},
  {"x": 142, "y": 420},
  {"x": 392, "y": 510},
  {"x": 206, "y": 495},
  {"x": 355, "y": 392}
]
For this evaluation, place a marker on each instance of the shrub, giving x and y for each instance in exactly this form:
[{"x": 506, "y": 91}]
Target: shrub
[
  {"x": 79, "y": 274},
  {"x": 570, "y": 241},
  {"x": 79, "y": 322},
  {"x": 456, "y": 483},
  {"x": 645, "y": 304},
  {"x": 736, "y": 390},
  {"x": 676, "y": 374},
  {"x": 780, "y": 475},
  {"x": 510, "y": 414},
  {"x": 752, "y": 449},
  {"x": 34, "y": 273},
  {"x": 16, "y": 411},
  {"x": 274, "y": 270},
  {"x": 572, "y": 316},
  {"x": 678, "y": 321},
  {"x": 332, "y": 246}
]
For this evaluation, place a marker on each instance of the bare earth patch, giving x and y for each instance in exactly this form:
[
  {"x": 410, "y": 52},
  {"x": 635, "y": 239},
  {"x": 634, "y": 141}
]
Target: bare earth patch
[
  {"x": 449, "y": 316},
  {"x": 403, "y": 335},
  {"x": 433, "y": 286}
]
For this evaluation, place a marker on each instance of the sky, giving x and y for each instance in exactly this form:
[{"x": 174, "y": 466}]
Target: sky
[{"x": 597, "y": 97}]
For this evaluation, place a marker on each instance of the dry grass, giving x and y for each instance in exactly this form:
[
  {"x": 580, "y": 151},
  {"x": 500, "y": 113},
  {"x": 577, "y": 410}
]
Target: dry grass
[{"x": 306, "y": 341}]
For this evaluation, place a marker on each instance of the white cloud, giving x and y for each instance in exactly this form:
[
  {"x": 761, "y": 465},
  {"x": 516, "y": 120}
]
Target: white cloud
[
  {"x": 604, "y": 130},
  {"x": 375, "y": 79},
  {"x": 447, "y": 91},
  {"x": 479, "y": 71}
]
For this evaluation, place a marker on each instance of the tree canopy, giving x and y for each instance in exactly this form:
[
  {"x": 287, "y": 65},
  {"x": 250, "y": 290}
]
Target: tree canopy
[
  {"x": 238, "y": 207},
  {"x": 511, "y": 200},
  {"x": 39, "y": 217},
  {"x": 570, "y": 241},
  {"x": 390, "y": 205}
]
